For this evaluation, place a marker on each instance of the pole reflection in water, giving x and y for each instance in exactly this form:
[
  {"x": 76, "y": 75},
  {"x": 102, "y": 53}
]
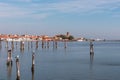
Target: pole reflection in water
[
  {"x": 33, "y": 64},
  {"x": 91, "y": 60},
  {"x": 32, "y": 75},
  {"x": 91, "y": 67},
  {"x": 9, "y": 71}
]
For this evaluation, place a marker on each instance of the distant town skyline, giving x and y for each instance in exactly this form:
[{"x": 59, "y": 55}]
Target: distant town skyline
[{"x": 82, "y": 18}]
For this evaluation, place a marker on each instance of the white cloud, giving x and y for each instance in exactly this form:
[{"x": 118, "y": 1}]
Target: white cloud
[
  {"x": 7, "y": 10},
  {"x": 42, "y": 10},
  {"x": 20, "y": 0}
]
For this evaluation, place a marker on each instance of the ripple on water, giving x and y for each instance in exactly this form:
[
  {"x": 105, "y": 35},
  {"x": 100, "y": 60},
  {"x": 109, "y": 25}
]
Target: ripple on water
[{"x": 111, "y": 64}]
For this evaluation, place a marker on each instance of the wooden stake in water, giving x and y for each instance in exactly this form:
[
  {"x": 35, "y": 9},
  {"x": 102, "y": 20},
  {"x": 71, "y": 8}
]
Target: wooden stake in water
[
  {"x": 17, "y": 68},
  {"x": 91, "y": 48},
  {"x": 9, "y": 58},
  {"x": 12, "y": 45},
  {"x": 65, "y": 44},
  {"x": 37, "y": 44},
  {"x": 33, "y": 62},
  {"x": 42, "y": 43},
  {"x": 48, "y": 44},
  {"x": 56, "y": 44}
]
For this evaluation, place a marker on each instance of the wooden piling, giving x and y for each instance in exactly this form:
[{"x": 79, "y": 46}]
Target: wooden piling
[
  {"x": 42, "y": 43},
  {"x": 48, "y": 44},
  {"x": 56, "y": 44},
  {"x": 65, "y": 44},
  {"x": 17, "y": 68},
  {"x": 12, "y": 45},
  {"x": 91, "y": 48},
  {"x": 22, "y": 46},
  {"x": 37, "y": 44},
  {"x": 6, "y": 44},
  {"x": 9, "y": 57},
  {"x": 33, "y": 62},
  {"x": 31, "y": 44}
]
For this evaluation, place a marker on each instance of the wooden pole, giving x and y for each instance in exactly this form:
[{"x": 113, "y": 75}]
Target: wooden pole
[
  {"x": 9, "y": 58},
  {"x": 91, "y": 48},
  {"x": 37, "y": 44},
  {"x": 17, "y": 68},
  {"x": 33, "y": 62},
  {"x": 42, "y": 43},
  {"x": 56, "y": 44},
  {"x": 65, "y": 44},
  {"x": 47, "y": 44}
]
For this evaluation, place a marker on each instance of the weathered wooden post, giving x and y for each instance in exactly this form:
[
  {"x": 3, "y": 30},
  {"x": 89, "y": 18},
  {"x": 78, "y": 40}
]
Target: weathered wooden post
[
  {"x": 65, "y": 44},
  {"x": 48, "y": 44},
  {"x": 31, "y": 44},
  {"x": 6, "y": 44},
  {"x": 17, "y": 68},
  {"x": 37, "y": 44},
  {"x": 91, "y": 48},
  {"x": 22, "y": 46},
  {"x": 16, "y": 44},
  {"x": 12, "y": 44},
  {"x": 9, "y": 58},
  {"x": 56, "y": 44},
  {"x": 28, "y": 45},
  {"x": 33, "y": 62},
  {"x": 42, "y": 43},
  {"x": 53, "y": 43}
]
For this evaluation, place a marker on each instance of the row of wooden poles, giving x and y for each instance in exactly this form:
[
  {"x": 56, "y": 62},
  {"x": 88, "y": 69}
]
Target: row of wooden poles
[
  {"x": 10, "y": 62},
  {"x": 44, "y": 44}
]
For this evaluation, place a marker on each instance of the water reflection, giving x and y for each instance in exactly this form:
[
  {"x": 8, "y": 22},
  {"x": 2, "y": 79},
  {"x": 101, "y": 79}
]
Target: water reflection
[
  {"x": 91, "y": 66},
  {"x": 91, "y": 60},
  {"x": 9, "y": 71},
  {"x": 32, "y": 75}
]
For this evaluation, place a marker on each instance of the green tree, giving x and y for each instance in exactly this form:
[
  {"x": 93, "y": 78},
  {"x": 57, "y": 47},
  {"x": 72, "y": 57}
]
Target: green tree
[{"x": 70, "y": 37}]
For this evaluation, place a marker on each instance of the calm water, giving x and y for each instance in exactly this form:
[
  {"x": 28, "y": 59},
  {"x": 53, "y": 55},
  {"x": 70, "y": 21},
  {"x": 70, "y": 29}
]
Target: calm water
[{"x": 72, "y": 63}]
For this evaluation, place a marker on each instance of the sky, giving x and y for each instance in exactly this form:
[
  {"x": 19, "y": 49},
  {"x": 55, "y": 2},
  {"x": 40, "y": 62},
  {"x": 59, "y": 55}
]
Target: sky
[{"x": 82, "y": 18}]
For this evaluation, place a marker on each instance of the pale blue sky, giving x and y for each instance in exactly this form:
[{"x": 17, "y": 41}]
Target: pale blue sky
[{"x": 82, "y": 18}]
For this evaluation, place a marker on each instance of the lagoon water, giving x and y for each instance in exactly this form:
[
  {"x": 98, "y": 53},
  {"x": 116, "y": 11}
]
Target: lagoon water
[{"x": 72, "y": 63}]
